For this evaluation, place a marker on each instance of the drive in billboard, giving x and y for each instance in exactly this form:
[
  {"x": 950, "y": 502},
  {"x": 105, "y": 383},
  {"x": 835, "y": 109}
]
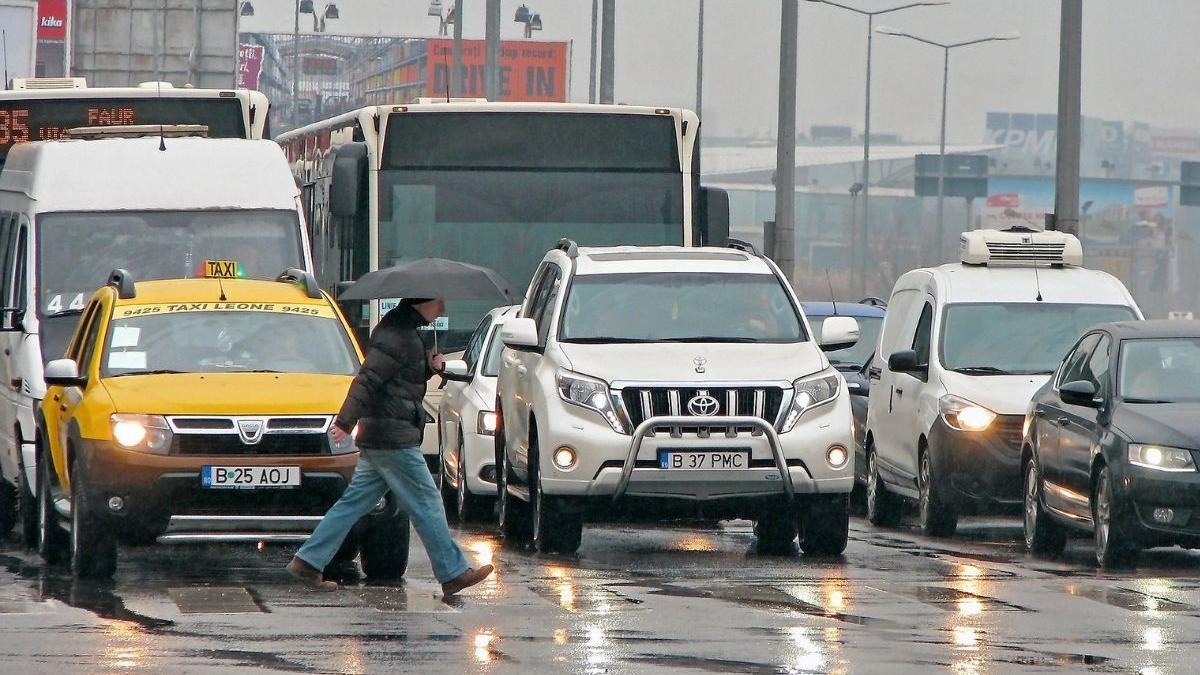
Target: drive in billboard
[{"x": 529, "y": 71}]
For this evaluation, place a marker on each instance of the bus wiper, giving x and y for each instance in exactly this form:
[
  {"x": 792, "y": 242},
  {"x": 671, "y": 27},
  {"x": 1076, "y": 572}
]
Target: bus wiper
[
  {"x": 981, "y": 370},
  {"x": 65, "y": 312},
  {"x": 605, "y": 340},
  {"x": 710, "y": 338},
  {"x": 157, "y": 371}
]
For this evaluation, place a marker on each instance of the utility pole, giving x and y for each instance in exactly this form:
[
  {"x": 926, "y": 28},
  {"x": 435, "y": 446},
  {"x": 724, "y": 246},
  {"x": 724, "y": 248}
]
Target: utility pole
[
  {"x": 296, "y": 70},
  {"x": 700, "y": 61},
  {"x": 456, "y": 83},
  {"x": 941, "y": 203},
  {"x": 593, "y": 63},
  {"x": 491, "y": 71},
  {"x": 1070, "y": 60},
  {"x": 607, "y": 57},
  {"x": 785, "y": 150}
]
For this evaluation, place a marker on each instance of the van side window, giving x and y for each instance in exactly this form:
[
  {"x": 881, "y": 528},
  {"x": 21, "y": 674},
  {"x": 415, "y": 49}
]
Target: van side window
[
  {"x": 7, "y": 237},
  {"x": 899, "y": 322},
  {"x": 924, "y": 336},
  {"x": 17, "y": 299}
]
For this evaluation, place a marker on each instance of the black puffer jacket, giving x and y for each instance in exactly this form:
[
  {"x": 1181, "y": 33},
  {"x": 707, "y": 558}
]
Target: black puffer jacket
[{"x": 385, "y": 397}]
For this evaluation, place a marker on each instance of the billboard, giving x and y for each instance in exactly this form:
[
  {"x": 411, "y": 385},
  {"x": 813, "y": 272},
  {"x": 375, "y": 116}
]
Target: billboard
[
  {"x": 529, "y": 71},
  {"x": 52, "y": 20},
  {"x": 250, "y": 62}
]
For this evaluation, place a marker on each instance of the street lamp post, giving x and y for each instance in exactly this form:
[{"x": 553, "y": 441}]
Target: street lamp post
[
  {"x": 452, "y": 17},
  {"x": 945, "y": 47},
  {"x": 866, "y": 171},
  {"x": 529, "y": 17}
]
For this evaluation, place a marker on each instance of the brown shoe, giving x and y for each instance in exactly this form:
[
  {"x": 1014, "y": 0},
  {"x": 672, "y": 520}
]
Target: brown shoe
[
  {"x": 310, "y": 576},
  {"x": 466, "y": 580}
]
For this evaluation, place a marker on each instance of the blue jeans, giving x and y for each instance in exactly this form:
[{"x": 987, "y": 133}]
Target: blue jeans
[{"x": 404, "y": 472}]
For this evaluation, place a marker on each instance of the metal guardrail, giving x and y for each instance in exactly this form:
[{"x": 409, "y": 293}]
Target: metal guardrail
[{"x": 648, "y": 427}]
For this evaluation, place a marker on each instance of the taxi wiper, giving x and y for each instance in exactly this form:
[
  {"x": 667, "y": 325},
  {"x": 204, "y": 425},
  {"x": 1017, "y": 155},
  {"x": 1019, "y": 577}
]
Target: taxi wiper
[
  {"x": 261, "y": 370},
  {"x": 156, "y": 371},
  {"x": 981, "y": 370}
]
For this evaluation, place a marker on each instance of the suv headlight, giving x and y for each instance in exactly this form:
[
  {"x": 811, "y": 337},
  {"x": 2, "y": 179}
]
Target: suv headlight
[
  {"x": 964, "y": 415},
  {"x": 347, "y": 445},
  {"x": 1161, "y": 458},
  {"x": 811, "y": 392},
  {"x": 145, "y": 433},
  {"x": 591, "y": 393}
]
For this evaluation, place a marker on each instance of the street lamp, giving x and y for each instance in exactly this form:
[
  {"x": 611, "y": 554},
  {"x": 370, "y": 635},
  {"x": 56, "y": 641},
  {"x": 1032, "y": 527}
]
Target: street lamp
[
  {"x": 444, "y": 20},
  {"x": 866, "y": 172},
  {"x": 945, "y": 47},
  {"x": 531, "y": 19},
  {"x": 247, "y": 9}
]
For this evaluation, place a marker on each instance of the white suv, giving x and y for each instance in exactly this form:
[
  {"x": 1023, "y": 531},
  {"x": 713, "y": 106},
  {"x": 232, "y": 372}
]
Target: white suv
[{"x": 671, "y": 375}]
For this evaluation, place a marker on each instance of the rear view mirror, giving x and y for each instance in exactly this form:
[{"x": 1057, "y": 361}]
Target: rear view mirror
[
  {"x": 63, "y": 373},
  {"x": 905, "y": 362},
  {"x": 1079, "y": 392},
  {"x": 519, "y": 334},
  {"x": 346, "y": 191},
  {"x": 714, "y": 217},
  {"x": 839, "y": 332},
  {"x": 456, "y": 371}
]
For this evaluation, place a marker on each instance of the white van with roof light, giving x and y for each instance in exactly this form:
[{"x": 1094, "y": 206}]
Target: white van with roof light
[{"x": 962, "y": 350}]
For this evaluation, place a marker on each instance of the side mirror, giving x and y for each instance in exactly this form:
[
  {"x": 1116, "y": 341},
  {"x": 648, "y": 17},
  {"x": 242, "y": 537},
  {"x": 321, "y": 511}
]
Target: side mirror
[
  {"x": 905, "y": 362},
  {"x": 10, "y": 320},
  {"x": 520, "y": 334},
  {"x": 456, "y": 371},
  {"x": 349, "y": 176},
  {"x": 1079, "y": 392},
  {"x": 839, "y": 332},
  {"x": 63, "y": 373},
  {"x": 713, "y": 216}
]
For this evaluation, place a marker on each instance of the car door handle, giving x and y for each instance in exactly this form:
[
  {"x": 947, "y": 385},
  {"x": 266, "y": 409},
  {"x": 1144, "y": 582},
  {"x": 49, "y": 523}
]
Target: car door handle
[
  {"x": 1039, "y": 413},
  {"x": 1065, "y": 421}
]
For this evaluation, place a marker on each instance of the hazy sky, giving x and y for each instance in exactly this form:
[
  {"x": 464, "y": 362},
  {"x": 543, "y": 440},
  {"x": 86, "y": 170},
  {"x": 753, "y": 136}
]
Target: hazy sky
[{"x": 1140, "y": 57}]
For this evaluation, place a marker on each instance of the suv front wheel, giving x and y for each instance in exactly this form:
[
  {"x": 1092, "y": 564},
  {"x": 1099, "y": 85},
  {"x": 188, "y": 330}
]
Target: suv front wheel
[
  {"x": 825, "y": 524},
  {"x": 553, "y": 528}
]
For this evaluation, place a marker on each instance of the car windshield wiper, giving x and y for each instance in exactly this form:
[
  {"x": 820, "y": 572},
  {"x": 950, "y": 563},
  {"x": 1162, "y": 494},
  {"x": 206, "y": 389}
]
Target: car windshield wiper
[
  {"x": 158, "y": 371},
  {"x": 261, "y": 370},
  {"x": 65, "y": 312},
  {"x": 710, "y": 338},
  {"x": 605, "y": 340},
  {"x": 981, "y": 370},
  {"x": 1147, "y": 400}
]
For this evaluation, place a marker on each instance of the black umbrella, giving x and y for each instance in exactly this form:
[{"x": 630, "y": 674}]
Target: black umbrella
[{"x": 431, "y": 278}]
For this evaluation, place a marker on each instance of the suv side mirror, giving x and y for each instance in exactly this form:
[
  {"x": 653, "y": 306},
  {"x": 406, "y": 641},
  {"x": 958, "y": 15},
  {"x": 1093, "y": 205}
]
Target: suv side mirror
[
  {"x": 905, "y": 361},
  {"x": 10, "y": 320},
  {"x": 63, "y": 373},
  {"x": 838, "y": 332},
  {"x": 520, "y": 334},
  {"x": 1079, "y": 392},
  {"x": 456, "y": 371}
]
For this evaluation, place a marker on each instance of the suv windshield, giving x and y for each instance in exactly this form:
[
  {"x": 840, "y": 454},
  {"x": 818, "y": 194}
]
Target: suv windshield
[
  {"x": 686, "y": 306},
  {"x": 852, "y": 358},
  {"x": 226, "y": 341},
  {"x": 1160, "y": 370},
  {"x": 1022, "y": 338}
]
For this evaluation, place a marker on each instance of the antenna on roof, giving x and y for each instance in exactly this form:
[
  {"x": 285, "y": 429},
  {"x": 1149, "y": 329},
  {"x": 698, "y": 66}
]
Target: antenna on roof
[
  {"x": 221, "y": 286},
  {"x": 162, "y": 140},
  {"x": 1038, "y": 283},
  {"x": 831, "y": 297}
]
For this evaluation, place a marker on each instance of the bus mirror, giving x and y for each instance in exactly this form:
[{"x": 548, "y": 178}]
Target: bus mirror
[
  {"x": 349, "y": 176},
  {"x": 713, "y": 215}
]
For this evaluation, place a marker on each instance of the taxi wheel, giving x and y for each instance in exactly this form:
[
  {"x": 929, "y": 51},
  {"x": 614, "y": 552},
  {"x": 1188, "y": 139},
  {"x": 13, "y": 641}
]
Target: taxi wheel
[
  {"x": 52, "y": 540},
  {"x": 553, "y": 529},
  {"x": 937, "y": 515},
  {"x": 1114, "y": 545},
  {"x": 93, "y": 549},
  {"x": 824, "y": 524},
  {"x": 775, "y": 531},
  {"x": 384, "y": 548},
  {"x": 1043, "y": 536},
  {"x": 883, "y": 508}
]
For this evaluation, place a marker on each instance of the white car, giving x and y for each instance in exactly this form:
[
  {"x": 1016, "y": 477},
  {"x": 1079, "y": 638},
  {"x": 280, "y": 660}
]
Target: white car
[
  {"x": 671, "y": 375},
  {"x": 467, "y": 422}
]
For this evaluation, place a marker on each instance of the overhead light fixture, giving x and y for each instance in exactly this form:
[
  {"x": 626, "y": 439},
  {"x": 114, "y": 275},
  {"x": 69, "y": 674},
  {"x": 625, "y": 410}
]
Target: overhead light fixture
[
  {"x": 522, "y": 15},
  {"x": 306, "y": 6},
  {"x": 331, "y": 11},
  {"x": 247, "y": 8},
  {"x": 535, "y": 23},
  {"x": 435, "y": 8}
]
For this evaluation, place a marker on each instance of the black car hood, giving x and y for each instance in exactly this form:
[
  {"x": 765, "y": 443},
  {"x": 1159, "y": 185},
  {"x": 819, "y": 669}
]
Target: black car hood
[{"x": 1173, "y": 424}]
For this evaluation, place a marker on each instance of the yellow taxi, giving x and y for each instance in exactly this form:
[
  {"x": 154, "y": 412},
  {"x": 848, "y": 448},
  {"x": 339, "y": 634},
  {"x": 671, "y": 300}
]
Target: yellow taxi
[{"x": 199, "y": 410}]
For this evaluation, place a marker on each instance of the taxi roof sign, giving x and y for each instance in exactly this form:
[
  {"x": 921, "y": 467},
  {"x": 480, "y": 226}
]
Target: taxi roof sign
[{"x": 222, "y": 269}]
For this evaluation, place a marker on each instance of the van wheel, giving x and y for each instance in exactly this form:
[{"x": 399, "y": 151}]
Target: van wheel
[
  {"x": 553, "y": 529},
  {"x": 825, "y": 524},
  {"x": 384, "y": 547},
  {"x": 1114, "y": 545},
  {"x": 883, "y": 508},
  {"x": 775, "y": 531},
  {"x": 93, "y": 548},
  {"x": 1043, "y": 536},
  {"x": 52, "y": 540},
  {"x": 510, "y": 511},
  {"x": 27, "y": 505},
  {"x": 8, "y": 507},
  {"x": 938, "y": 516}
]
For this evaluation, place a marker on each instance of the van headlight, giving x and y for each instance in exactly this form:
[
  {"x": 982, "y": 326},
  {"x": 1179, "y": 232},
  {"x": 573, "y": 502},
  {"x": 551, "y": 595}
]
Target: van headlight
[
  {"x": 1161, "y": 458},
  {"x": 963, "y": 415},
  {"x": 810, "y": 392},
  {"x": 145, "y": 433},
  {"x": 591, "y": 393}
]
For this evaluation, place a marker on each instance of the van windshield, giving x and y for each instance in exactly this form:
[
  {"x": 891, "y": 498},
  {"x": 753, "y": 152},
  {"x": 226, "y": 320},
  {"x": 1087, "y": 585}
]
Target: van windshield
[{"x": 1022, "y": 338}]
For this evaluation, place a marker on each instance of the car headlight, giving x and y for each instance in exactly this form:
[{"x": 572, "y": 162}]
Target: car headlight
[
  {"x": 486, "y": 424},
  {"x": 146, "y": 433},
  {"x": 1161, "y": 458},
  {"x": 963, "y": 415},
  {"x": 588, "y": 392},
  {"x": 810, "y": 392},
  {"x": 345, "y": 446}
]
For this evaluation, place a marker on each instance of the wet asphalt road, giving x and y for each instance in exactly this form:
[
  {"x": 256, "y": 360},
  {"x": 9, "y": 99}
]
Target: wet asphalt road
[{"x": 637, "y": 598}]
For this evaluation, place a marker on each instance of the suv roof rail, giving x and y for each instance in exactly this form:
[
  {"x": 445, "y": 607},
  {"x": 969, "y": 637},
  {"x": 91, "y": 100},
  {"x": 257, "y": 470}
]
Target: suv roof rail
[
  {"x": 122, "y": 280},
  {"x": 295, "y": 275},
  {"x": 567, "y": 246},
  {"x": 744, "y": 246},
  {"x": 873, "y": 301}
]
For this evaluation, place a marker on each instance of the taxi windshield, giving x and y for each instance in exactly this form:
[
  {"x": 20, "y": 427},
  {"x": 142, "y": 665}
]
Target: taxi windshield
[{"x": 145, "y": 339}]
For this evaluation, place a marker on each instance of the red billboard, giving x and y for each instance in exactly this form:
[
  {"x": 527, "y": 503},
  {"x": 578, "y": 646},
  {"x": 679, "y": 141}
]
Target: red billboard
[
  {"x": 529, "y": 71},
  {"x": 250, "y": 62},
  {"x": 52, "y": 20}
]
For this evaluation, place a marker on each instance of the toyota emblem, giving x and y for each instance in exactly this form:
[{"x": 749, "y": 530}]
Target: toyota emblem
[
  {"x": 699, "y": 361},
  {"x": 703, "y": 405}
]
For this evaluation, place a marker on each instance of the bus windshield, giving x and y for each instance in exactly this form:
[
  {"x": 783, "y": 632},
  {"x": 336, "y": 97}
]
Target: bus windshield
[{"x": 500, "y": 189}]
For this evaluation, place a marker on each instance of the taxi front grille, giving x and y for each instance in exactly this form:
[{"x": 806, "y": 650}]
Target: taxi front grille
[{"x": 231, "y": 444}]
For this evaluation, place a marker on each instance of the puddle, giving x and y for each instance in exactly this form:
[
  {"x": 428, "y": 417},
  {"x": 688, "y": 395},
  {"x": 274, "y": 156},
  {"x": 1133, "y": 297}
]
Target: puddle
[
  {"x": 248, "y": 659},
  {"x": 962, "y": 602},
  {"x": 215, "y": 600},
  {"x": 703, "y": 664},
  {"x": 763, "y": 597},
  {"x": 1124, "y": 598},
  {"x": 402, "y": 599}
]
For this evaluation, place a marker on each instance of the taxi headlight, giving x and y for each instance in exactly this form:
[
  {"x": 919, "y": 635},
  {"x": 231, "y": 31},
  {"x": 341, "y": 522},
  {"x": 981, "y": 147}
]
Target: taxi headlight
[
  {"x": 810, "y": 392},
  {"x": 146, "y": 433},
  {"x": 346, "y": 445},
  {"x": 963, "y": 415},
  {"x": 486, "y": 424},
  {"x": 588, "y": 392},
  {"x": 1161, "y": 458}
]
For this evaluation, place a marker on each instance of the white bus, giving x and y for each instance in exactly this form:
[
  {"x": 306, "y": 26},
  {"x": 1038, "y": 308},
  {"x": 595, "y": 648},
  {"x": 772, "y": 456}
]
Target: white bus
[{"x": 495, "y": 184}]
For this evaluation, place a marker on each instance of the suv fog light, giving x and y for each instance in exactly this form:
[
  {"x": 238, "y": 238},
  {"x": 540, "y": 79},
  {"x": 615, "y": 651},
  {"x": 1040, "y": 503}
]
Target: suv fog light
[
  {"x": 837, "y": 456},
  {"x": 116, "y": 504},
  {"x": 564, "y": 457},
  {"x": 1164, "y": 515}
]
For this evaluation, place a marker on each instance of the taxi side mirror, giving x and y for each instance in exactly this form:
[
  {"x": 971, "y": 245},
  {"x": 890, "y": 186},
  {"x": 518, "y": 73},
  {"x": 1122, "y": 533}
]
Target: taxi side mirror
[{"x": 63, "y": 373}]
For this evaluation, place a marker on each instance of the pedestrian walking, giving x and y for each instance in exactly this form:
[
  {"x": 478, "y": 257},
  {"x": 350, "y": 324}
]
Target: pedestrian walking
[{"x": 384, "y": 401}]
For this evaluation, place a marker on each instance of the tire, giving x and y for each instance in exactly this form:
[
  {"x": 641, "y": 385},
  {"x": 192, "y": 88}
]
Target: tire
[
  {"x": 449, "y": 499},
  {"x": 825, "y": 525},
  {"x": 510, "y": 511},
  {"x": 1043, "y": 535},
  {"x": 1115, "y": 548},
  {"x": 937, "y": 514},
  {"x": 27, "y": 505},
  {"x": 775, "y": 531},
  {"x": 384, "y": 548},
  {"x": 92, "y": 546},
  {"x": 883, "y": 508},
  {"x": 468, "y": 506},
  {"x": 52, "y": 539},
  {"x": 552, "y": 528},
  {"x": 8, "y": 507}
]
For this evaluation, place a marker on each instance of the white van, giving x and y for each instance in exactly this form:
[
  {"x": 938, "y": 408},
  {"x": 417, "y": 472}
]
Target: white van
[
  {"x": 73, "y": 210},
  {"x": 962, "y": 350}
]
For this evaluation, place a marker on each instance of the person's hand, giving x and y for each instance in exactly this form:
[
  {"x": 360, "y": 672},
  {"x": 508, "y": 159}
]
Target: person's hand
[
  {"x": 338, "y": 434},
  {"x": 437, "y": 362}
]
